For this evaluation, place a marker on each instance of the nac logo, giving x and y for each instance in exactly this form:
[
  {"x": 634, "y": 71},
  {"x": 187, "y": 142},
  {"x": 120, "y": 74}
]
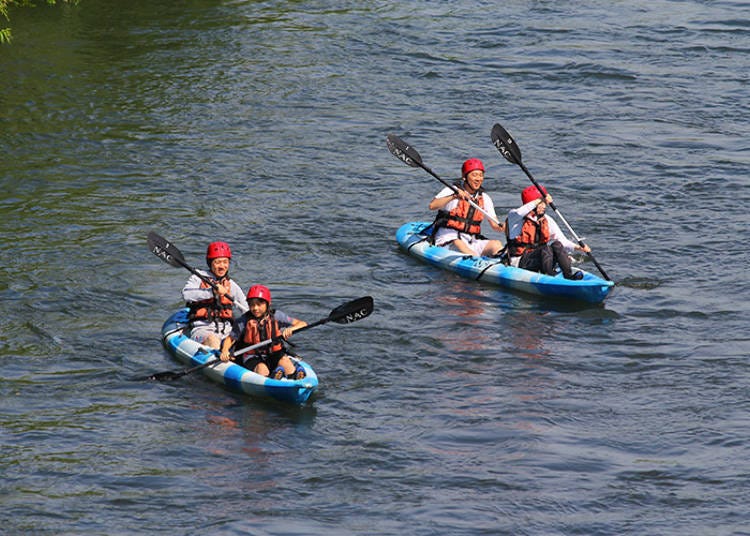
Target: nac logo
[
  {"x": 400, "y": 153},
  {"x": 162, "y": 253},
  {"x": 503, "y": 149},
  {"x": 357, "y": 315}
]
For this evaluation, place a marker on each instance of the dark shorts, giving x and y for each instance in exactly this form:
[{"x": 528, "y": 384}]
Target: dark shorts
[{"x": 271, "y": 361}]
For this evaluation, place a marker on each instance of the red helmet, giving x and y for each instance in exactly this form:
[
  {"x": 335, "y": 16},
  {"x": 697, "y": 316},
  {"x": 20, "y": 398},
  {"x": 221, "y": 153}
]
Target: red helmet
[
  {"x": 216, "y": 250},
  {"x": 470, "y": 165},
  {"x": 532, "y": 192},
  {"x": 259, "y": 291}
]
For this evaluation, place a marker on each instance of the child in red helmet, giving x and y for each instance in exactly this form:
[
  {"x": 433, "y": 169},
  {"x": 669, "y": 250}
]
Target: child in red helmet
[
  {"x": 458, "y": 223},
  {"x": 259, "y": 324},
  {"x": 212, "y": 309},
  {"x": 535, "y": 241}
]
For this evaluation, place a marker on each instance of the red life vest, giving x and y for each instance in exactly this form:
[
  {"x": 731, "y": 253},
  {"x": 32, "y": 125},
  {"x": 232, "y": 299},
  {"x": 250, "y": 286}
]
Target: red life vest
[
  {"x": 213, "y": 309},
  {"x": 533, "y": 234},
  {"x": 261, "y": 330},
  {"x": 466, "y": 218}
]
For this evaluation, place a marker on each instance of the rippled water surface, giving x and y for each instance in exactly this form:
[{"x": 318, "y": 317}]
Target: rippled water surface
[{"x": 456, "y": 408}]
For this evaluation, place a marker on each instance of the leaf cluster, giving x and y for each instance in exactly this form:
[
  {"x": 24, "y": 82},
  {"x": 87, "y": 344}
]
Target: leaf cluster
[{"x": 5, "y": 33}]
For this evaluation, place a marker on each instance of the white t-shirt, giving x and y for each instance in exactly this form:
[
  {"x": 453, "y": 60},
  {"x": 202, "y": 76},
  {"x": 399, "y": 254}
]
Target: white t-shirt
[{"x": 446, "y": 234}]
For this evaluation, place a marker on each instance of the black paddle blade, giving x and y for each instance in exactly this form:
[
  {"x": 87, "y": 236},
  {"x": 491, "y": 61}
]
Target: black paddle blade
[
  {"x": 401, "y": 150},
  {"x": 166, "y": 251},
  {"x": 505, "y": 144},
  {"x": 159, "y": 377},
  {"x": 169, "y": 375},
  {"x": 352, "y": 311}
]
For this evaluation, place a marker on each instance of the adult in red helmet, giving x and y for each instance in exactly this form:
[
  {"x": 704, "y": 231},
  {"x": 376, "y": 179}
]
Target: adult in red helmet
[
  {"x": 458, "y": 222},
  {"x": 535, "y": 241},
  {"x": 261, "y": 323},
  {"x": 212, "y": 308}
]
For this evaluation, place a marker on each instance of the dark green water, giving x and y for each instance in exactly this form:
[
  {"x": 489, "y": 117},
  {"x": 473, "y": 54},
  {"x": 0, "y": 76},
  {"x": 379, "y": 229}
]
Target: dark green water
[{"x": 455, "y": 408}]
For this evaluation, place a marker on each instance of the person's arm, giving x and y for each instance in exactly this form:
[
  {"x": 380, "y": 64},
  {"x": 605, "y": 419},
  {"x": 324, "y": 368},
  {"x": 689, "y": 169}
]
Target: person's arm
[
  {"x": 499, "y": 228},
  {"x": 238, "y": 297},
  {"x": 524, "y": 210},
  {"x": 290, "y": 324},
  {"x": 489, "y": 207},
  {"x": 439, "y": 202},
  {"x": 226, "y": 344},
  {"x": 444, "y": 196},
  {"x": 234, "y": 335},
  {"x": 192, "y": 291},
  {"x": 516, "y": 216},
  {"x": 296, "y": 324},
  {"x": 555, "y": 233}
]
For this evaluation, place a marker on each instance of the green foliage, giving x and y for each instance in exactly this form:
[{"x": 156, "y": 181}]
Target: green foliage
[{"x": 5, "y": 34}]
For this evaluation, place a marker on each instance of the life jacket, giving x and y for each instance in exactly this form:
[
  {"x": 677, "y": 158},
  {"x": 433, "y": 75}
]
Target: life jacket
[
  {"x": 533, "y": 234},
  {"x": 213, "y": 308},
  {"x": 261, "y": 330},
  {"x": 464, "y": 217}
]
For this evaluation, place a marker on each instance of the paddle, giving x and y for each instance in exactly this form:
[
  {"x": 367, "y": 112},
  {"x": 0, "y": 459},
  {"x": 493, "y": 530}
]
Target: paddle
[
  {"x": 169, "y": 375},
  {"x": 343, "y": 314},
  {"x": 507, "y": 146},
  {"x": 410, "y": 157},
  {"x": 169, "y": 253}
]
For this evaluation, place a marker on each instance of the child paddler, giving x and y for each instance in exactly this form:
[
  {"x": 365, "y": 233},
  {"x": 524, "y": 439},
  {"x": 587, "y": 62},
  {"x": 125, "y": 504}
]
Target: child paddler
[{"x": 259, "y": 324}]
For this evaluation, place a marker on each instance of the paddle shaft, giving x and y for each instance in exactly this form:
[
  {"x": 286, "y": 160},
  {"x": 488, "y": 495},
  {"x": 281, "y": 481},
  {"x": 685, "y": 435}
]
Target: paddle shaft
[
  {"x": 508, "y": 147},
  {"x": 195, "y": 368},
  {"x": 557, "y": 211},
  {"x": 411, "y": 158},
  {"x": 172, "y": 375},
  {"x": 169, "y": 253},
  {"x": 213, "y": 284},
  {"x": 276, "y": 339},
  {"x": 346, "y": 313},
  {"x": 456, "y": 190}
]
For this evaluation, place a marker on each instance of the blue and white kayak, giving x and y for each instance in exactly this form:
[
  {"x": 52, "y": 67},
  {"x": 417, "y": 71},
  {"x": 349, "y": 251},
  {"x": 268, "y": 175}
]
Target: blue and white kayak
[
  {"x": 234, "y": 376},
  {"x": 413, "y": 239}
]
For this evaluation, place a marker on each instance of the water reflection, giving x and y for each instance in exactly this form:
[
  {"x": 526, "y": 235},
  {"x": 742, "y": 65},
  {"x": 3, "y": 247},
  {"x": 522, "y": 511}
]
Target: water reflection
[
  {"x": 486, "y": 319},
  {"x": 526, "y": 333},
  {"x": 258, "y": 436},
  {"x": 467, "y": 309}
]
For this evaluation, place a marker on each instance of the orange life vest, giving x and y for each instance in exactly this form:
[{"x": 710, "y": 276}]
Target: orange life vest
[
  {"x": 213, "y": 309},
  {"x": 533, "y": 234},
  {"x": 261, "y": 330},
  {"x": 466, "y": 218}
]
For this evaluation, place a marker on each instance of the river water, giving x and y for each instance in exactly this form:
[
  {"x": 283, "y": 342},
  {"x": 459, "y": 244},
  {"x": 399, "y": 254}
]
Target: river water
[{"x": 456, "y": 408}]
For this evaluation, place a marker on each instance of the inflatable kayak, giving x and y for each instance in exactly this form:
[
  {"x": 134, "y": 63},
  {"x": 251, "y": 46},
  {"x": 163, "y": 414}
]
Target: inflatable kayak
[
  {"x": 413, "y": 239},
  {"x": 234, "y": 376}
]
